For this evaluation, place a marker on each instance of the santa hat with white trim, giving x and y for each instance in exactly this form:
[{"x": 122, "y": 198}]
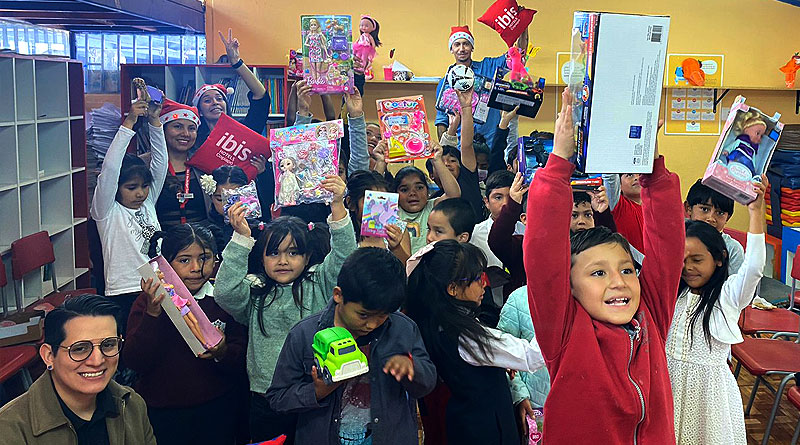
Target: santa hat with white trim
[
  {"x": 172, "y": 110},
  {"x": 225, "y": 91},
  {"x": 460, "y": 32}
]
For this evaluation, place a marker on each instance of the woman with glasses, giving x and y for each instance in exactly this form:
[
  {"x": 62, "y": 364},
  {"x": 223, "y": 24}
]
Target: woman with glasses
[{"x": 75, "y": 401}]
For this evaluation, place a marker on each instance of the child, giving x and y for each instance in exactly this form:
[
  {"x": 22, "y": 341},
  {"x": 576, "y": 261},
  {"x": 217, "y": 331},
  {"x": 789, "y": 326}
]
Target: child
[
  {"x": 705, "y": 327},
  {"x": 445, "y": 289},
  {"x": 280, "y": 292},
  {"x": 587, "y": 311},
  {"x": 178, "y": 387},
  {"x": 398, "y": 241},
  {"x": 451, "y": 218},
  {"x": 706, "y": 204},
  {"x": 124, "y": 205},
  {"x": 378, "y": 407},
  {"x": 625, "y": 200},
  {"x": 413, "y": 202}
]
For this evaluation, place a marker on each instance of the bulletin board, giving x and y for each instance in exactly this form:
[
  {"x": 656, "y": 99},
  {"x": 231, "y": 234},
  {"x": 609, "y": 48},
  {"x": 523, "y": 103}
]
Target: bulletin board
[{"x": 690, "y": 111}]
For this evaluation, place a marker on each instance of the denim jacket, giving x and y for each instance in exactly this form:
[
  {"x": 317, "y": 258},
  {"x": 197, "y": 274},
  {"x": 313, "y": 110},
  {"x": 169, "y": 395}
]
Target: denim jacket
[{"x": 392, "y": 403}]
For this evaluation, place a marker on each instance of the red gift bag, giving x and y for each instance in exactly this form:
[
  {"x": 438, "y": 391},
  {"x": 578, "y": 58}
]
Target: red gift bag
[
  {"x": 508, "y": 19},
  {"x": 230, "y": 143}
]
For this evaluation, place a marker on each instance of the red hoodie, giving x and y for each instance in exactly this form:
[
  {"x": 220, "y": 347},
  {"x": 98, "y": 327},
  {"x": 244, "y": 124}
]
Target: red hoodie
[{"x": 608, "y": 386}]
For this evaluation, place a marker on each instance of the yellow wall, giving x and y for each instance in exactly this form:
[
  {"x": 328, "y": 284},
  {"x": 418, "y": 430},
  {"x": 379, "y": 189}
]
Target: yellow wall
[{"x": 756, "y": 37}]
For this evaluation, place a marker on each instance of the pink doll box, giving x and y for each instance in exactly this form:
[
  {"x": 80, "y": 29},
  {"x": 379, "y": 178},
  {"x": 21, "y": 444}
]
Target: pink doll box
[
  {"x": 380, "y": 210},
  {"x": 405, "y": 126},
  {"x": 328, "y": 53},
  {"x": 302, "y": 156},
  {"x": 210, "y": 333},
  {"x": 733, "y": 166}
]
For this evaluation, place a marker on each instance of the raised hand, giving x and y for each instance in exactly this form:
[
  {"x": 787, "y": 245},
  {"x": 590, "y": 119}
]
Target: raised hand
[
  {"x": 231, "y": 46},
  {"x": 599, "y": 199},
  {"x": 303, "y": 97},
  {"x": 564, "y": 135},
  {"x": 355, "y": 106},
  {"x": 518, "y": 188},
  {"x": 154, "y": 298},
  {"x": 238, "y": 221},
  {"x": 259, "y": 162}
]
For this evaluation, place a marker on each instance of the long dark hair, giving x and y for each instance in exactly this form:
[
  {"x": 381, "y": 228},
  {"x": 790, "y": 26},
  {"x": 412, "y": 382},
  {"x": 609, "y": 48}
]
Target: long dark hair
[
  {"x": 375, "y": 31},
  {"x": 357, "y": 185},
  {"x": 271, "y": 238},
  {"x": 709, "y": 293},
  {"x": 433, "y": 308},
  {"x": 179, "y": 237}
]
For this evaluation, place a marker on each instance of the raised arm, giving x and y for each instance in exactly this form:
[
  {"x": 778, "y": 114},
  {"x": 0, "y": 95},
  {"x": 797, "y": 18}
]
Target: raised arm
[
  {"x": 502, "y": 231},
  {"x": 546, "y": 244},
  {"x": 506, "y": 351},
  {"x": 613, "y": 190},
  {"x": 159, "y": 160},
  {"x": 249, "y": 77},
  {"x": 232, "y": 288},
  {"x": 107, "y": 182},
  {"x": 664, "y": 242},
  {"x": 468, "y": 159},
  {"x": 359, "y": 155},
  {"x": 449, "y": 182}
]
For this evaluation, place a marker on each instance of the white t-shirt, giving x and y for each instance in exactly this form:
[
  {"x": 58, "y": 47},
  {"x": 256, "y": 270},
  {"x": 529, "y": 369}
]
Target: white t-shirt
[{"x": 125, "y": 233}]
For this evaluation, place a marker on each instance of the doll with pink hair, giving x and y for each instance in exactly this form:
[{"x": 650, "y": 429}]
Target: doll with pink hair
[{"x": 364, "y": 48}]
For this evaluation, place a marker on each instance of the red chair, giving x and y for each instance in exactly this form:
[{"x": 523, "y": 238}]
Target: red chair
[
  {"x": 738, "y": 235},
  {"x": 14, "y": 359},
  {"x": 762, "y": 357},
  {"x": 794, "y": 399},
  {"x": 775, "y": 321},
  {"x": 3, "y": 284}
]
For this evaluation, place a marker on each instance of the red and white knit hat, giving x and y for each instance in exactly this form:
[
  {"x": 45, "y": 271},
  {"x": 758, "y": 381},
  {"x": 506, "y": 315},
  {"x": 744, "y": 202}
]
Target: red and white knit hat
[
  {"x": 460, "y": 32},
  {"x": 172, "y": 110},
  {"x": 225, "y": 91}
]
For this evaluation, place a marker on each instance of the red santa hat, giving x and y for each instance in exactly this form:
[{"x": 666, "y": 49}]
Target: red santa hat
[
  {"x": 460, "y": 32},
  {"x": 172, "y": 110},
  {"x": 225, "y": 91}
]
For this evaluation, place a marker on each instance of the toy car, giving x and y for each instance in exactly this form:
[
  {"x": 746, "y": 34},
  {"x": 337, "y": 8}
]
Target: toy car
[{"x": 337, "y": 356}]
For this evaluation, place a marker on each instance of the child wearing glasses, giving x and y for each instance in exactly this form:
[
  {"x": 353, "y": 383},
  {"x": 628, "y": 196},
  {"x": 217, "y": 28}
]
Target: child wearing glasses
[{"x": 75, "y": 400}]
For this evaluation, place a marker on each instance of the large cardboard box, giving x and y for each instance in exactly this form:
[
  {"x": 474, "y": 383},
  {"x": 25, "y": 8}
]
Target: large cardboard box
[
  {"x": 738, "y": 159},
  {"x": 618, "y": 63},
  {"x": 21, "y": 327}
]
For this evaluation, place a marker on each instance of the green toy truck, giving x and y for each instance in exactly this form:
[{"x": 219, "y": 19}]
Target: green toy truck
[{"x": 337, "y": 356}]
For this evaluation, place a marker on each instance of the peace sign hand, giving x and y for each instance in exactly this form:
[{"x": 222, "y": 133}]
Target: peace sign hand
[{"x": 231, "y": 46}]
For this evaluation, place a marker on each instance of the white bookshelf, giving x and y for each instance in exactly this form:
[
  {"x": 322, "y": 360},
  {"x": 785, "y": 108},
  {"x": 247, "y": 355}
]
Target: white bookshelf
[{"x": 43, "y": 168}]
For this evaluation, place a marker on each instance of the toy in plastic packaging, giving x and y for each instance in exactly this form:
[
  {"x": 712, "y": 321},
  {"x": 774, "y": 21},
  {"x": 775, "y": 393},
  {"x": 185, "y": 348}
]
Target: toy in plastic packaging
[
  {"x": 532, "y": 154},
  {"x": 303, "y": 156},
  {"x": 535, "y": 427},
  {"x": 447, "y": 99},
  {"x": 517, "y": 88},
  {"x": 181, "y": 307},
  {"x": 404, "y": 125},
  {"x": 328, "y": 53},
  {"x": 337, "y": 356},
  {"x": 380, "y": 210},
  {"x": 295, "y": 64},
  {"x": 247, "y": 195},
  {"x": 743, "y": 151}
]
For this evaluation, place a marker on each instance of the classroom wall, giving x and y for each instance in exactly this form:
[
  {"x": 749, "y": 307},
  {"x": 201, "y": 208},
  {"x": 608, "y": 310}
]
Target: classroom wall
[{"x": 753, "y": 49}]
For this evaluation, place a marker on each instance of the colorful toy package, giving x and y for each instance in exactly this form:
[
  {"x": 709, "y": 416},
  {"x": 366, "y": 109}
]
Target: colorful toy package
[
  {"x": 535, "y": 427},
  {"x": 404, "y": 124},
  {"x": 380, "y": 210},
  {"x": 533, "y": 152},
  {"x": 328, "y": 53},
  {"x": 743, "y": 151},
  {"x": 247, "y": 195},
  {"x": 447, "y": 100},
  {"x": 181, "y": 307},
  {"x": 302, "y": 157}
]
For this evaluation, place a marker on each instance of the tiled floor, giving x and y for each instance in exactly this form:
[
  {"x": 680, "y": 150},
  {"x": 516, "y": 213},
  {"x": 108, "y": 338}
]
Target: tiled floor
[{"x": 756, "y": 423}]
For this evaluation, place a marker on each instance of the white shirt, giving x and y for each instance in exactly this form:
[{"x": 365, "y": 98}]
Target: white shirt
[
  {"x": 125, "y": 233},
  {"x": 506, "y": 351},
  {"x": 480, "y": 239}
]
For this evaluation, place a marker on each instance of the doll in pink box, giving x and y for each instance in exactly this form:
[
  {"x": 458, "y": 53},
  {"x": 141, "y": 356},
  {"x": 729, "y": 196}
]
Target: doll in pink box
[
  {"x": 751, "y": 129},
  {"x": 364, "y": 48}
]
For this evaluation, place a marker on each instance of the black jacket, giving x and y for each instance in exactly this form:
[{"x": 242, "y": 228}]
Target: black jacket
[{"x": 392, "y": 405}]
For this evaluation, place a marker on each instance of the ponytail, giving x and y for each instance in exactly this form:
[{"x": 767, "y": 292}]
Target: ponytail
[{"x": 152, "y": 252}]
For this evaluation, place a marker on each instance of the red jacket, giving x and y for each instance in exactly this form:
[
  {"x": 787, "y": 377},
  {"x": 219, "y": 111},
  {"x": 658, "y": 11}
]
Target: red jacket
[
  {"x": 593, "y": 365},
  {"x": 629, "y": 219}
]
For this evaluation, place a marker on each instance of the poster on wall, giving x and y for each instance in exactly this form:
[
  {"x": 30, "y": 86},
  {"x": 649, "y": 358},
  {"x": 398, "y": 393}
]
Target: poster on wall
[
  {"x": 688, "y": 70},
  {"x": 690, "y": 111}
]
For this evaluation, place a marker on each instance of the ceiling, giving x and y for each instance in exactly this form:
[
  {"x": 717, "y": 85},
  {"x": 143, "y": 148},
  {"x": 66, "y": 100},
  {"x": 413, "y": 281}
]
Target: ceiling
[{"x": 121, "y": 16}]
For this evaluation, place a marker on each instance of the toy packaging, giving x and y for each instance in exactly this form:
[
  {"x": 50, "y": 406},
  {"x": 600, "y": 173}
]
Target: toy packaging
[
  {"x": 247, "y": 195},
  {"x": 295, "y": 64},
  {"x": 328, "y": 53},
  {"x": 404, "y": 124},
  {"x": 535, "y": 427},
  {"x": 532, "y": 154},
  {"x": 447, "y": 100},
  {"x": 302, "y": 157},
  {"x": 181, "y": 308},
  {"x": 743, "y": 151},
  {"x": 337, "y": 356},
  {"x": 380, "y": 210},
  {"x": 617, "y": 70},
  {"x": 507, "y": 94},
  {"x": 230, "y": 143}
]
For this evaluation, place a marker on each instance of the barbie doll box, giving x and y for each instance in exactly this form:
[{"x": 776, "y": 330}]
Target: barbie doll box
[
  {"x": 617, "y": 72},
  {"x": 743, "y": 151},
  {"x": 181, "y": 307},
  {"x": 302, "y": 157},
  {"x": 327, "y": 53}
]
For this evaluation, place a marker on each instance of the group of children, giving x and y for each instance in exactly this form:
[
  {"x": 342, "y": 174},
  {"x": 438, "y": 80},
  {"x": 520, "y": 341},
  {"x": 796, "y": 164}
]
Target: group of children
[{"x": 633, "y": 295}]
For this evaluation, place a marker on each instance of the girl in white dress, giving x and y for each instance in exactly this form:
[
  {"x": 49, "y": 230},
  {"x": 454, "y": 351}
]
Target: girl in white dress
[{"x": 708, "y": 405}]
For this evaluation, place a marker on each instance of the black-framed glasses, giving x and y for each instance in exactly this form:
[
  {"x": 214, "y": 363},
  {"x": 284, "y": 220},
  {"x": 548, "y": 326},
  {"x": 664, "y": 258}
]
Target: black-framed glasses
[{"x": 81, "y": 350}]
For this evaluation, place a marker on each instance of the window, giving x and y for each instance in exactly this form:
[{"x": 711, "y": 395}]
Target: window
[
  {"x": 102, "y": 54},
  {"x": 25, "y": 38},
  {"x": 347, "y": 350}
]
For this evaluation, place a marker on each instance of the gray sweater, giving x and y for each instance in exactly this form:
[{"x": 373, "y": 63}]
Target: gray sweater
[{"x": 232, "y": 293}]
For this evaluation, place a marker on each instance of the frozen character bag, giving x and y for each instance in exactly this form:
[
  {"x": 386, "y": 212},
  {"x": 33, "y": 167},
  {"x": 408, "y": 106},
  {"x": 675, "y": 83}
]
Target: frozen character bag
[
  {"x": 327, "y": 53},
  {"x": 303, "y": 156},
  {"x": 404, "y": 125}
]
